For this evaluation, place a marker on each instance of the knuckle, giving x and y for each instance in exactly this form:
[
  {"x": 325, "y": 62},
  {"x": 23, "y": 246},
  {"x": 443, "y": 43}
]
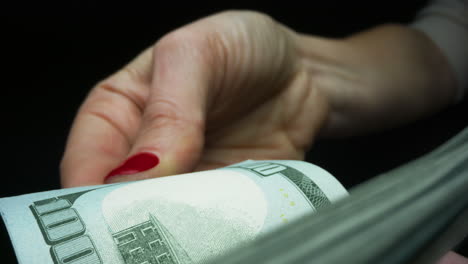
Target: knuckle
[
  {"x": 180, "y": 38},
  {"x": 242, "y": 13},
  {"x": 165, "y": 113},
  {"x": 199, "y": 45},
  {"x": 131, "y": 73},
  {"x": 248, "y": 16},
  {"x": 120, "y": 77},
  {"x": 161, "y": 110}
]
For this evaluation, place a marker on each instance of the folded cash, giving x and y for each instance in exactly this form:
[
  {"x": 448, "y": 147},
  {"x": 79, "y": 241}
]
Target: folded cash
[
  {"x": 413, "y": 214},
  {"x": 252, "y": 212},
  {"x": 189, "y": 218}
]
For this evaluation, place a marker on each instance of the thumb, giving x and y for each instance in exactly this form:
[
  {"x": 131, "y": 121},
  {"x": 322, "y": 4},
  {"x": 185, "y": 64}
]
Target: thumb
[{"x": 171, "y": 136}]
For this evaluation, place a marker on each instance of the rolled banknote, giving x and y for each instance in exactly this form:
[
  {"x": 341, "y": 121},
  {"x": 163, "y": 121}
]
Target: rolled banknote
[{"x": 188, "y": 218}]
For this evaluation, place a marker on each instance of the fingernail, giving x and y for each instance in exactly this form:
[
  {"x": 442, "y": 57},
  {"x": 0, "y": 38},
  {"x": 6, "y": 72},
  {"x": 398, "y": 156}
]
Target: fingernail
[{"x": 137, "y": 163}]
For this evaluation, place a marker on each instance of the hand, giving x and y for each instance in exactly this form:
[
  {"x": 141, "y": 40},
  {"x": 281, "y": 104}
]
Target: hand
[
  {"x": 226, "y": 88},
  {"x": 239, "y": 85}
]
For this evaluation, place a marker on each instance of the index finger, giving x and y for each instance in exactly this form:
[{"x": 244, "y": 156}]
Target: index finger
[{"x": 106, "y": 124}]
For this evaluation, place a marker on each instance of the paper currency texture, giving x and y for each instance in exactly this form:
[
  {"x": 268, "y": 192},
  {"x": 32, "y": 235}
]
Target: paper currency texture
[{"x": 188, "y": 218}]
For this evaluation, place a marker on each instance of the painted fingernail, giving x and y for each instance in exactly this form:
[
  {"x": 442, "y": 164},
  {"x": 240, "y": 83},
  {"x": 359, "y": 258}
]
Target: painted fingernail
[{"x": 137, "y": 163}]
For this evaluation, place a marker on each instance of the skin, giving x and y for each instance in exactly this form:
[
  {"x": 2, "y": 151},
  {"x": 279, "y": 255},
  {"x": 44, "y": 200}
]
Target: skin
[
  {"x": 453, "y": 258},
  {"x": 239, "y": 85}
]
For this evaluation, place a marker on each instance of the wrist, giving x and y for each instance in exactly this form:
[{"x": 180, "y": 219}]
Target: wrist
[
  {"x": 330, "y": 69},
  {"x": 391, "y": 73}
]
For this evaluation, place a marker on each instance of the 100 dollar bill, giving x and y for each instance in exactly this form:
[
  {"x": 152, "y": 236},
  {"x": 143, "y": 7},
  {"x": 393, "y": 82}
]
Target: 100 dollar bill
[{"x": 188, "y": 218}]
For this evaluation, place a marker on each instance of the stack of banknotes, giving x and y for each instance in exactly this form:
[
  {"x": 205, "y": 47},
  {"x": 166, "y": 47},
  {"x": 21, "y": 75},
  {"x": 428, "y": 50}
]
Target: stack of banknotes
[{"x": 276, "y": 211}]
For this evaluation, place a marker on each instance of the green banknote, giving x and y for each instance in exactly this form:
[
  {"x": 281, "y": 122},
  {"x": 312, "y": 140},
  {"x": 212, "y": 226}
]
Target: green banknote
[{"x": 188, "y": 218}]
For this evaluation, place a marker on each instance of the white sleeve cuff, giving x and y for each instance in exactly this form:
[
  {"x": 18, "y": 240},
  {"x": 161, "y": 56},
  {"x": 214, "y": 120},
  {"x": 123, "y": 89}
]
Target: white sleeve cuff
[{"x": 446, "y": 23}]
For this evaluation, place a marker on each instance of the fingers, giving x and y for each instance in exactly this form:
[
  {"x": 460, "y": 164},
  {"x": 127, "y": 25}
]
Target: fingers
[
  {"x": 106, "y": 124},
  {"x": 173, "y": 122},
  {"x": 149, "y": 120}
]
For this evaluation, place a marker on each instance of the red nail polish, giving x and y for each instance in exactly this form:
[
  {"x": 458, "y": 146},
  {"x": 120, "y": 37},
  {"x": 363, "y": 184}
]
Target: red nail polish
[{"x": 137, "y": 163}]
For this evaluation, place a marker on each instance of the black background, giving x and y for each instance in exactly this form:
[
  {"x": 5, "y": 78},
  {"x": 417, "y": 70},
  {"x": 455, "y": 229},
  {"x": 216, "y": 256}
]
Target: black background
[{"x": 52, "y": 55}]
